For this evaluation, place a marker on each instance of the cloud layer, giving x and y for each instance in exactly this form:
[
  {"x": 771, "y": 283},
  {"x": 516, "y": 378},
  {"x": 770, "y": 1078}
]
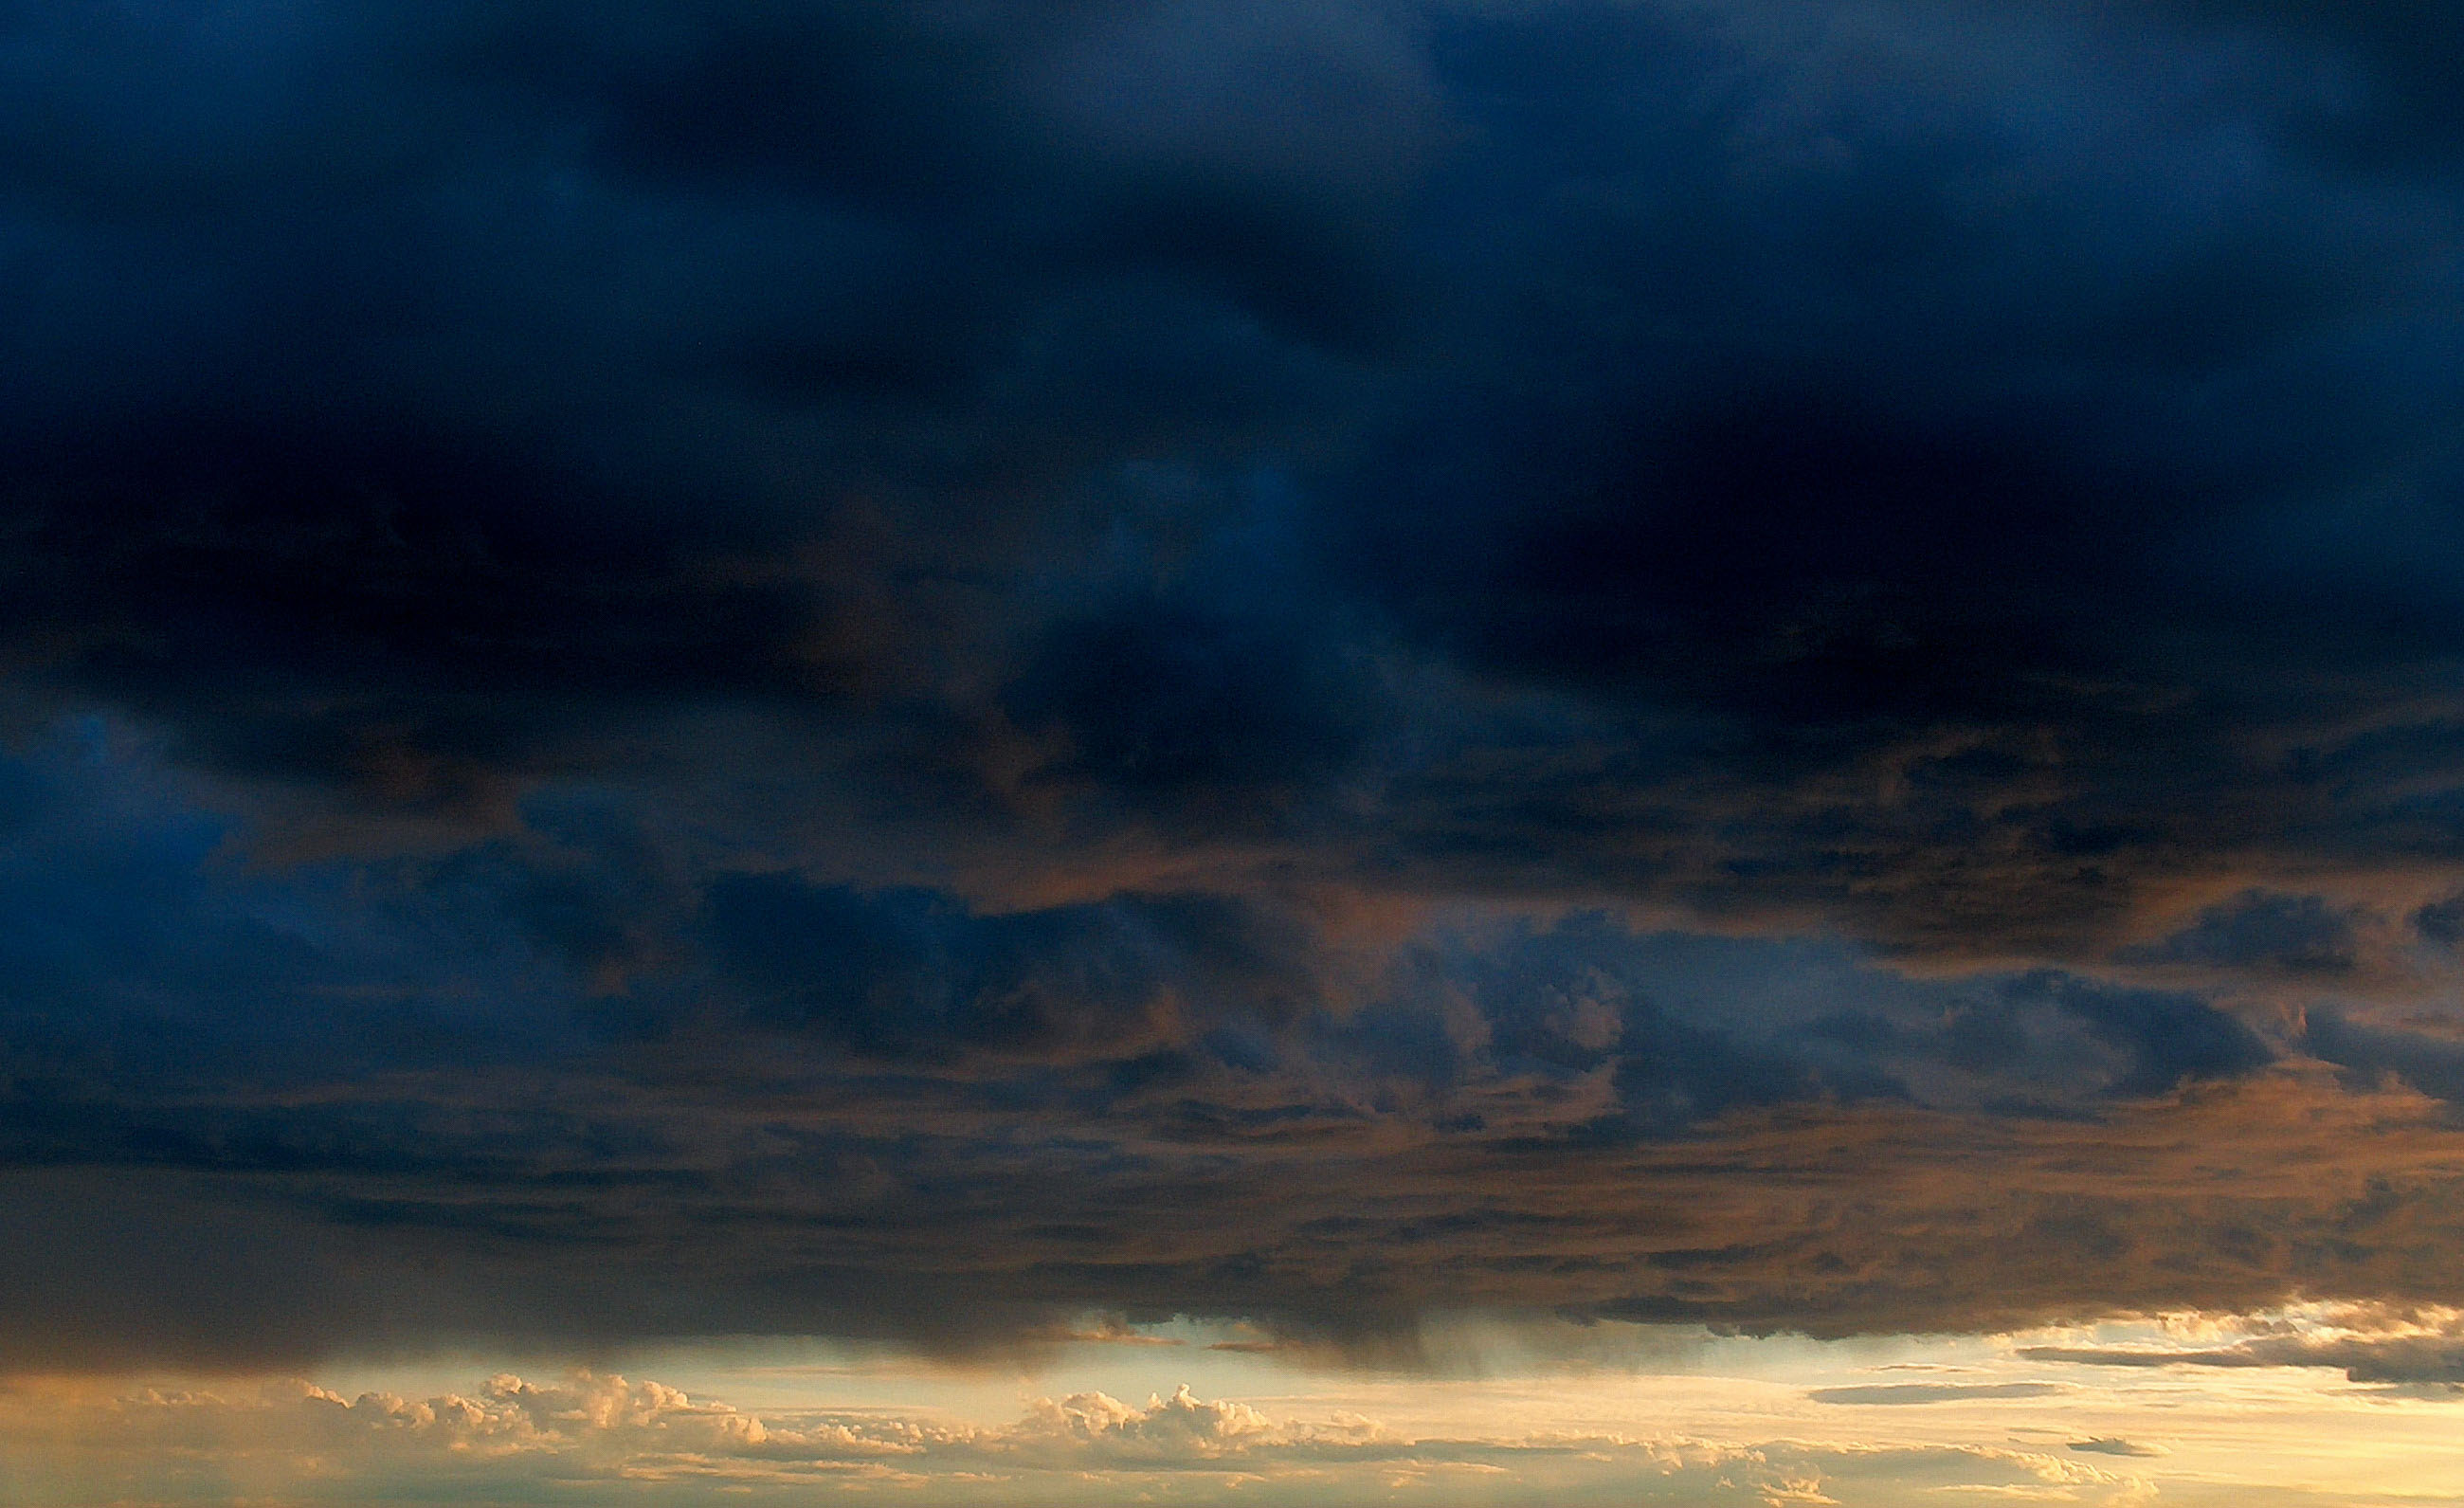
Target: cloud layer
[
  {"x": 642, "y": 1442},
  {"x": 857, "y": 667},
  {"x": 2418, "y": 1347}
]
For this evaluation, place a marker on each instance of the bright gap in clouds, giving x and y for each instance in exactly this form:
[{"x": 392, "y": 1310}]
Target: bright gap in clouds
[{"x": 2308, "y": 1405}]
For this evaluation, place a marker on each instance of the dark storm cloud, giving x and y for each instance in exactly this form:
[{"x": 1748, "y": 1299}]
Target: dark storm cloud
[
  {"x": 2261, "y": 929},
  {"x": 907, "y": 973},
  {"x": 908, "y": 668},
  {"x": 1797, "y": 431},
  {"x": 525, "y": 364},
  {"x": 1155, "y": 701},
  {"x": 1772, "y": 381},
  {"x": 2434, "y": 1064},
  {"x": 545, "y": 1091},
  {"x": 903, "y": 1211},
  {"x": 2168, "y": 1037},
  {"x": 2400, "y": 115}
]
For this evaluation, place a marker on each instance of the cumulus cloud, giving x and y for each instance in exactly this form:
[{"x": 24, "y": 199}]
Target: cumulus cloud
[{"x": 639, "y": 1441}]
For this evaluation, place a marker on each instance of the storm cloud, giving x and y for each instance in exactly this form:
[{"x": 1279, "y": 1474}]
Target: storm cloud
[{"x": 859, "y": 668}]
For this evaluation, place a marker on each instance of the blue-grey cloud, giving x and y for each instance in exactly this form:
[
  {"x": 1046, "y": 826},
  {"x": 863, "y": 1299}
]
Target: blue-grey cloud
[
  {"x": 2114, "y": 1445},
  {"x": 2263, "y": 929},
  {"x": 905, "y": 668},
  {"x": 1929, "y": 1392}
]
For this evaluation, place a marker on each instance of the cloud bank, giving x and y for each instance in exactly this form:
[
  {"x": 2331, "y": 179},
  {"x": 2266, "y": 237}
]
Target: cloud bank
[
  {"x": 880, "y": 669},
  {"x": 2419, "y": 1348},
  {"x": 641, "y": 1442}
]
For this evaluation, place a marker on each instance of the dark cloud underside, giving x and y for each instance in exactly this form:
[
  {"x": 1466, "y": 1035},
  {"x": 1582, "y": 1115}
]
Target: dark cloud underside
[{"x": 811, "y": 665}]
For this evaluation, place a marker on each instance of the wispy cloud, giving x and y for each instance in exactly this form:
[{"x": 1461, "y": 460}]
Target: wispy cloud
[
  {"x": 2370, "y": 1343},
  {"x": 1931, "y": 1392}
]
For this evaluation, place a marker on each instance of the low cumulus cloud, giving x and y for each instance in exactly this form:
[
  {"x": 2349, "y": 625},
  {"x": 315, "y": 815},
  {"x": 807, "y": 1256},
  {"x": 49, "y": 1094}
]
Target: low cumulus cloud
[{"x": 639, "y": 1441}]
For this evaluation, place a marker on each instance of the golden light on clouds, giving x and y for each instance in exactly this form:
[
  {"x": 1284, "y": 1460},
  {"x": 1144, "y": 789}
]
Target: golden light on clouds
[{"x": 2354, "y": 1405}]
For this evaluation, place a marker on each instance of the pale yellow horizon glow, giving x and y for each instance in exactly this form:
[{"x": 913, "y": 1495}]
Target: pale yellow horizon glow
[{"x": 1163, "y": 1413}]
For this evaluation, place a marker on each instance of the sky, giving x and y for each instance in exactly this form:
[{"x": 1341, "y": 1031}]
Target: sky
[{"x": 1100, "y": 751}]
